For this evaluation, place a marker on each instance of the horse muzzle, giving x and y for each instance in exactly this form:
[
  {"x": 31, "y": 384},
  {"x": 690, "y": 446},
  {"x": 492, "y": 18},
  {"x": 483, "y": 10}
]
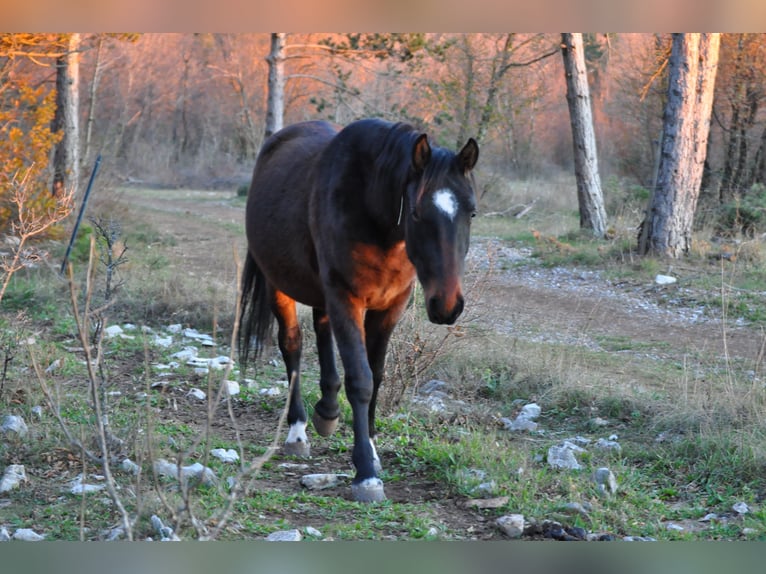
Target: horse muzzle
[{"x": 444, "y": 311}]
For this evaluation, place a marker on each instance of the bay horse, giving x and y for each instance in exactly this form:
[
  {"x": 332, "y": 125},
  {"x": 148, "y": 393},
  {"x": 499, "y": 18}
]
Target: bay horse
[{"x": 343, "y": 220}]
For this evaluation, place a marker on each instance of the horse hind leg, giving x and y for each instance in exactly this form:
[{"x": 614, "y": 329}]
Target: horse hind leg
[
  {"x": 290, "y": 338},
  {"x": 326, "y": 411}
]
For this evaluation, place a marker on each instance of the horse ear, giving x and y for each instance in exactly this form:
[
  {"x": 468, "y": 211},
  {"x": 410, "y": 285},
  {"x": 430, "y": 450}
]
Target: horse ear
[
  {"x": 421, "y": 153},
  {"x": 469, "y": 155}
]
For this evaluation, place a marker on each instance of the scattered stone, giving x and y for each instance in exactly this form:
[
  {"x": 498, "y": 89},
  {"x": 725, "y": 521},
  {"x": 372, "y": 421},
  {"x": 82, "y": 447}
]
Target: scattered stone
[
  {"x": 313, "y": 532},
  {"x": 512, "y": 525},
  {"x": 322, "y": 481},
  {"x": 639, "y": 539},
  {"x": 270, "y": 392},
  {"x": 431, "y": 386},
  {"x": 113, "y": 534},
  {"x": 186, "y": 354},
  {"x": 202, "y": 338},
  {"x": 605, "y": 480},
  {"x": 741, "y": 508},
  {"x": 599, "y": 422},
  {"x": 576, "y": 508},
  {"x": 608, "y": 445},
  {"x": 294, "y": 466},
  {"x": 78, "y": 487},
  {"x": 285, "y": 536},
  {"x": 13, "y": 476},
  {"x": 53, "y": 366},
  {"x": 710, "y": 517},
  {"x": 749, "y": 531},
  {"x": 166, "y": 533},
  {"x": 664, "y": 280},
  {"x": 524, "y": 421},
  {"x": 485, "y": 489},
  {"x": 37, "y": 411},
  {"x": 487, "y": 503},
  {"x": 674, "y": 526},
  {"x": 113, "y": 331},
  {"x": 175, "y": 329},
  {"x": 27, "y": 535},
  {"x": 196, "y": 393},
  {"x": 194, "y": 472},
  {"x": 130, "y": 467},
  {"x": 14, "y": 424},
  {"x": 563, "y": 456},
  {"x": 232, "y": 387},
  {"x": 163, "y": 342},
  {"x": 4, "y": 534},
  {"x": 225, "y": 455}
]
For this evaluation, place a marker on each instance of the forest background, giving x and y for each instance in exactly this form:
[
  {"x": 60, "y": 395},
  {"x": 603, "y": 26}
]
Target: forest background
[{"x": 190, "y": 109}]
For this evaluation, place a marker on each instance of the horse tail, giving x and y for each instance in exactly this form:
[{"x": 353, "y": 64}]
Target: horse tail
[{"x": 255, "y": 316}]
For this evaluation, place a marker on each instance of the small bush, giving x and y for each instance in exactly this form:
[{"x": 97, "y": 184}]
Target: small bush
[
  {"x": 745, "y": 215},
  {"x": 243, "y": 189}
]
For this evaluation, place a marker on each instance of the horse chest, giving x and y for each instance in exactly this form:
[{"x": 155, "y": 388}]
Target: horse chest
[{"x": 379, "y": 276}]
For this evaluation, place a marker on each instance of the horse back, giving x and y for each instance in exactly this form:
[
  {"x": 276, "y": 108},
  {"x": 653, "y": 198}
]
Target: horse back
[{"x": 277, "y": 212}]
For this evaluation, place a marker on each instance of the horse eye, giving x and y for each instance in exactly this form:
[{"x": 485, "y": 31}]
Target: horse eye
[
  {"x": 415, "y": 216},
  {"x": 473, "y": 214}
]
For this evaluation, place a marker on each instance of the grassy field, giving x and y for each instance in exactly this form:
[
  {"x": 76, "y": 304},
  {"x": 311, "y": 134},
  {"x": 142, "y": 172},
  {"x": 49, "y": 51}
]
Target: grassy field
[{"x": 691, "y": 429}]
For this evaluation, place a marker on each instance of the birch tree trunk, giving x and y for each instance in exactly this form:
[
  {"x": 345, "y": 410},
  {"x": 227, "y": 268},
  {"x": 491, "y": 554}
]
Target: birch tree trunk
[
  {"x": 98, "y": 68},
  {"x": 275, "y": 106},
  {"x": 66, "y": 157},
  {"x": 589, "y": 196},
  {"x": 667, "y": 228}
]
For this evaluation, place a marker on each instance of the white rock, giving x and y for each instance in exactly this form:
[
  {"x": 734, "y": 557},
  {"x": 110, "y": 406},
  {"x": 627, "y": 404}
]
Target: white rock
[
  {"x": 606, "y": 481},
  {"x": 130, "y": 467},
  {"x": 741, "y": 508},
  {"x": 664, "y": 280},
  {"x": 197, "y": 394},
  {"x": 13, "y": 476},
  {"x": 175, "y": 329},
  {"x": 285, "y": 536},
  {"x": 322, "y": 481},
  {"x": 113, "y": 331},
  {"x": 37, "y": 411},
  {"x": 195, "y": 471},
  {"x": 512, "y": 525},
  {"x": 563, "y": 456},
  {"x": 186, "y": 354},
  {"x": 14, "y": 424},
  {"x": 163, "y": 342},
  {"x": 225, "y": 455},
  {"x": 313, "y": 532},
  {"x": 166, "y": 533},
  {"x": 27, "y": 535},
  {"x": 53, "y": 366},
  {"x": 609, "y": 445},
  {"x": 78, "y": 487},
  {"x": 674, "y": 526},
  {"x": 530, "y": 411},
  {"x": 4, "y": 534},
  {"x": 232, "y": 387},
  {"x": 270, "y": 392}
]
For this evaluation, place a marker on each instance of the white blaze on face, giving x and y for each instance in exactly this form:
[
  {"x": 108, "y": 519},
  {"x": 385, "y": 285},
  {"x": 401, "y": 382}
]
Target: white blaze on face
[{"x": 445, "y": 200}]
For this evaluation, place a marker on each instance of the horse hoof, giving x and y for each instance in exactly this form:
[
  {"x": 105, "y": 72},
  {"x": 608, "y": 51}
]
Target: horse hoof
[
  {"x": 298, "y": 448},
  {"x": 369, "y": 490},
  {"x": 324, "y": 427}
]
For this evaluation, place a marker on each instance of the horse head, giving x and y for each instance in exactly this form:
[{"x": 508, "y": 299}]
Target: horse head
[{"x": 441, "y": 202}]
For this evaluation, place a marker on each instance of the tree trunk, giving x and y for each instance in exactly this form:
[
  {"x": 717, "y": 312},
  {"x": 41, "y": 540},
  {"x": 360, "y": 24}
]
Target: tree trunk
[
  {"x": 98, "y": 68},
  {"x": 667, "y": 228},
  {"x": 66, "y": 157},
  {"x": 275, "y": 106},
  {"x": 589, "y": 197}
]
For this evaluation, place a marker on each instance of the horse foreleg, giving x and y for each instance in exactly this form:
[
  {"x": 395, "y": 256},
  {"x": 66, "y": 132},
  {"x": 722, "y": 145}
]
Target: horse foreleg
[
  {"x": 290, "y": 345},
  {"x": 378, "y": 327},
  {"x": 348, "y": 327},
  {"x": 326, "y": 411}
]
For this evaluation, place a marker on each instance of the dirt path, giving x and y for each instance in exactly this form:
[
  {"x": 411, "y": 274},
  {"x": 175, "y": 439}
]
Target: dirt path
[{"x": 569, "y": 306}]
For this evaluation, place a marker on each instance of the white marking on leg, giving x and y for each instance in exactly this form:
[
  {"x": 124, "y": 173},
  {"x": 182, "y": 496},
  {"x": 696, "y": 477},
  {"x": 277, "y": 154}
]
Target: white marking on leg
[
  {"x": 375, "y": 458},
  {"x": 297, "y": 433},
  {"x": 445, "y": 200}
]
